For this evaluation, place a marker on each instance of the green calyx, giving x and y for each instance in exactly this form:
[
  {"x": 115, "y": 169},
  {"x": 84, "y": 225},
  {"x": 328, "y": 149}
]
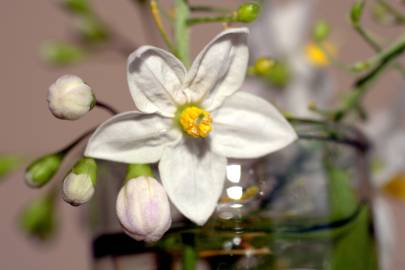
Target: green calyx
[
  {"x": 247, "y": 12},
  {"x": 357, "y": 12},
  {"x": 137, "y": 170},
  {"x": 41, "y": 171},
  {"x": 86, "y": 166}
]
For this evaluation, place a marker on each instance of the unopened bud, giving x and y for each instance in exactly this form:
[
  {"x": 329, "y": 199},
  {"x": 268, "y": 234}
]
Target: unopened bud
[
  {"x": 321, "y": 31},
  {"x": 78, "y": 186},
  {"x": 38, "y": 218},
  {"x": 143, "y": 209},
  {"x": 263, "y": 66},
  {"x": 247, "y": 12},
  {"x": 41, "y": 171},
  {"x": 279, "y": 75},
  {"x": 357, "y": 12},
  {"x": 361, "y": 66},
  {"x": 70, "y": 98}
]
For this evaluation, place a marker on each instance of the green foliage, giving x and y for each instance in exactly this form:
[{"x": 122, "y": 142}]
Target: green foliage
[
  {"x": 248, "y": 12},
  {"x": 189, "y": 258},
  {"x": 357, "y": 12},
  {"x": 8, "y": 163},
  {"x": 321, "y": 31},
  {"x": 38, "y": 219},
  {"x": 61, "y": 53},
  {"x": 355, "y": 248},
  {"x": 41, "y": 171}
]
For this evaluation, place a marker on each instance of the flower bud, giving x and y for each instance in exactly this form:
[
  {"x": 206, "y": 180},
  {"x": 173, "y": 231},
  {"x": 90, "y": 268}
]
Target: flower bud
[
  {"x": 70, "y": 98},
  {"x": 78, "y": 186},
  {"x": 38, "y": 218},
  {"x": 143, "y": 209},
  {"x": 279, "y": 75},
  {"x": 263, "y": 66},
  {"x": 41, "y": 171},
  {"x": 247, "y": 12},
  {"x": 357, "y": 12},
  {"x": 321, "y": 31}
]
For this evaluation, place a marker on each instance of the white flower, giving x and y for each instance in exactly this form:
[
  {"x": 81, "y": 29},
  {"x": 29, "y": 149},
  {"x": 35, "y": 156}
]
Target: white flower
[
  {"x": 70, "y": 98},
  {"x": 191, "y": 121},
  {"x": 77, "y": 188},
  {"x": 143, "y": 209},
  {"x": 281, "y": 33}
]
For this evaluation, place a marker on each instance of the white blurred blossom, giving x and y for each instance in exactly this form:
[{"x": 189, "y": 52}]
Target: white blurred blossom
[{"x": 281, "y": 33}]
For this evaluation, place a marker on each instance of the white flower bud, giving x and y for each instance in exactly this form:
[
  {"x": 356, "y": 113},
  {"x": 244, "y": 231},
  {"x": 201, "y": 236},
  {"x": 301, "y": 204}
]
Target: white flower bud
[
  {"x": 143, "y": 209},
  {"x": 77, "y": 188},
  {"x": 70, "y": 98}
]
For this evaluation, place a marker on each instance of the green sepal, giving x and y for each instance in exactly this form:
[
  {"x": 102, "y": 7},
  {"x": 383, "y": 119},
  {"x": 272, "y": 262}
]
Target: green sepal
[
  {"x": 38, "y": 219},
  {"x": 41, "y": 171},
  {"x": 86, "y": 166},
  {"x": 136, "y": 170}
]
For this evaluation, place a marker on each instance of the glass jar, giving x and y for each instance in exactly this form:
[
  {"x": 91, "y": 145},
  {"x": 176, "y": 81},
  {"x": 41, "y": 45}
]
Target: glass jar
[{"x": 305, "y": 207}]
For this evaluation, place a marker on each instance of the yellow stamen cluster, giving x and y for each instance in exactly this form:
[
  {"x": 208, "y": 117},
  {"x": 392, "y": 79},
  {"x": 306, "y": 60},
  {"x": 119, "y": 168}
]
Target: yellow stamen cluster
[
  {"x": 319, "y": 56},
  {"x": 396, "y": 186},
  {"x": 196, "y": 122}
]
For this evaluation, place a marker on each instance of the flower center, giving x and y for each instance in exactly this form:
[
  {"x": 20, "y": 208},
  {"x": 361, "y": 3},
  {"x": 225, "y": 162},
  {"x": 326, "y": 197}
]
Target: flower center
[
  {"x": 319, "y": 56},
  {"x": 195, "y": 122}
]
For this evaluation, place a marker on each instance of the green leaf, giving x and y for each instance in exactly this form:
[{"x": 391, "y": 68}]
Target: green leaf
[
  {"x": 38, "y": 219},
  {"x": 8, "y": 163},
  {"x": 61, "y": 53}
]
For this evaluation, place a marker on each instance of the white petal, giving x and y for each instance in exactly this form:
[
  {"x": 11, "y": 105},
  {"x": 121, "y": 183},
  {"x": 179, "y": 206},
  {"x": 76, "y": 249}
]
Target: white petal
[
  {"x": 155, "y": 78},
  {"x": 247, "y": 126},
  {"x": 193, "y": 177},
  {"x": 132, "y": 137},
  {"x": 219, "y": 70}
]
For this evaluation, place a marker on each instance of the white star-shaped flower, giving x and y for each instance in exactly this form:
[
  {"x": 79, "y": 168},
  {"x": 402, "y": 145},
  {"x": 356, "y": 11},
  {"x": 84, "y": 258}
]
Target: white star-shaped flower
[{"x": 191, "y": 121}]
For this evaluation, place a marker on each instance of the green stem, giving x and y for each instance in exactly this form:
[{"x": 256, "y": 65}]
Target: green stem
[
  {"x": 182, "y": 31},
  {"x": 208, "y": 9},
  {"x": 398, "y": 16},
  {"x": 189, "y": 258},
  {"x": 361, "y": 86},
  {"x": 216, "y": 19},
  {"x": 372, "y": 41},
  {"x": 106, "y": 107}
]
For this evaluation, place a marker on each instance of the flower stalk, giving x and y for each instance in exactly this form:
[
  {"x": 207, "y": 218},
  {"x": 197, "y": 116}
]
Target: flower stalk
[{"x": 182, "y": 31}]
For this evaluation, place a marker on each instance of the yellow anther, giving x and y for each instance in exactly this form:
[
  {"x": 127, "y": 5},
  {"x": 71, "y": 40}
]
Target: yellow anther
[
  {"x": 396, "y": 186},
  {"x": 196, "y": 122},
  {"x": 320, "y": 56}
]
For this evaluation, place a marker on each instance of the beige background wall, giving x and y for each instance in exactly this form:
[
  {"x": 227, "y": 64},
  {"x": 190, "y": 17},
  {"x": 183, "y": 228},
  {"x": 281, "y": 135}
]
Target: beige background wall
[{"x": 28, "y": 128}]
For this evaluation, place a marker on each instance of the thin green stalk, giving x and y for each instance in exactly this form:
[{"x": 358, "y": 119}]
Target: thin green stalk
[
  {"x": 216, "y": 19},
  {"x": 154, "y": 8},
  {"x": 182, "y": 31},
  {"x": 208, "y": 9},
  {"x": 361, "y": 86},
  {"x": 372, "y": 41},
  {"x": 398, "y": 16}
]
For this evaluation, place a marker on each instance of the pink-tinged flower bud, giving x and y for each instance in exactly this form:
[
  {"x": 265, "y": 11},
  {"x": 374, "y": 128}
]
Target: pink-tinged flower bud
[{"x": 143, "y": 209}]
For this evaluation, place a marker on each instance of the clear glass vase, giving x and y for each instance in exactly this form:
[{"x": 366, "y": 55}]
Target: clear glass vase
[{"x": 304, "y": 207}]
